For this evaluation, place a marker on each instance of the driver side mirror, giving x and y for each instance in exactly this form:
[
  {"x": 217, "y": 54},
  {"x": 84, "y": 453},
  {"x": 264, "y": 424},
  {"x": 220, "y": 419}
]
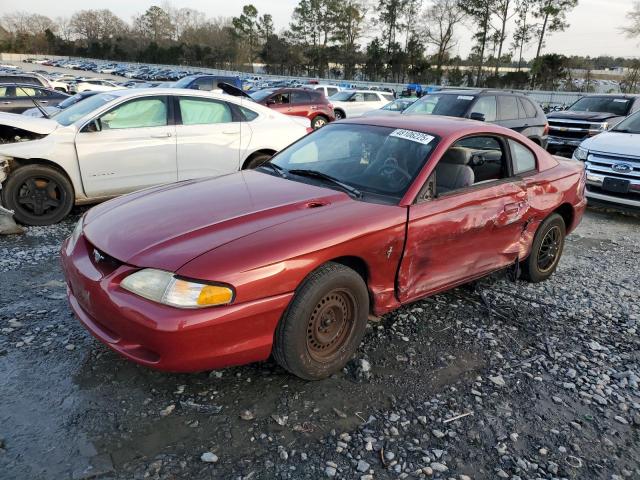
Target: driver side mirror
[
  {"x": 270, "y": 102},
  {"x": 93, "y": 126},
  {"x": 477, "y": 116}
]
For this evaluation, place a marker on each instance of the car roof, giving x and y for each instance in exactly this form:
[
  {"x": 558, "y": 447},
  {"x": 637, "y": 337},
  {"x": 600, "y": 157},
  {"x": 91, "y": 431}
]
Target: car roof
[{"x": 433, "y": 124}]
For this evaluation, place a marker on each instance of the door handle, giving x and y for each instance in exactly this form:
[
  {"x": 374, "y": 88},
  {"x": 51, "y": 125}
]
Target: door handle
[
  {"x": 161, "y": 135},
  {"x": 6, "y": 103},
  {"x": 230, "y": 132},
  {"x": 514, "y": 207},
  {"x": 43, "y": 101}
]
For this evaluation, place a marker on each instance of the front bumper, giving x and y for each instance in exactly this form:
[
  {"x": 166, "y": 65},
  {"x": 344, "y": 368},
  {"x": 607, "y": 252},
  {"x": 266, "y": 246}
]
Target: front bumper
[{"x": 160, "y": 336}]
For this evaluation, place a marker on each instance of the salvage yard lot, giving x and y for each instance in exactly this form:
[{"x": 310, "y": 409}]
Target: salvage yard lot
[{"x": 491, "y": 380}]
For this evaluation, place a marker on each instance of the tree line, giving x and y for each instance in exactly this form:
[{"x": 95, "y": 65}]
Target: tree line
[{"x": 383, "y": 40}]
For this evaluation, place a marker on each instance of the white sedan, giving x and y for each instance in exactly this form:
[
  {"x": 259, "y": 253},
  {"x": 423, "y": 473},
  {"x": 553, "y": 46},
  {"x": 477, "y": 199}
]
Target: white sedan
[
  {"x": 353, "y": 103},
  {"x": 117, "y": 142},
  {"x": 96, "y": 85}
]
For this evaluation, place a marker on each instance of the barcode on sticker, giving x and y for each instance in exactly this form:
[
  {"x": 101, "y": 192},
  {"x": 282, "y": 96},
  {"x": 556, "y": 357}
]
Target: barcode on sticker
[{"x": 411, "y": 135}]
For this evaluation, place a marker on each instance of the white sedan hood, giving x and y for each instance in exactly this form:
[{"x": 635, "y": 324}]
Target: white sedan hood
[
  {"x": 42, "y": 126},
  {"x": 614, "y": 142}
]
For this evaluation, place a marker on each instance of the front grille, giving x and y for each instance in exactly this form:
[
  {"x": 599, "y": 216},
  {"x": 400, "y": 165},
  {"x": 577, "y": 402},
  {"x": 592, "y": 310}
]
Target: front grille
[
  {"x": 568, "y": 134},
  {"x": 604, "y": 164},
  {"x": 562, "y": 124}
]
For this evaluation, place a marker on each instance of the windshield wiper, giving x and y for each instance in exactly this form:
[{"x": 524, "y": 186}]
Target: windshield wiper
[
  {"x": 276, "y": 168},
  {"x": 316, "y": 174}
]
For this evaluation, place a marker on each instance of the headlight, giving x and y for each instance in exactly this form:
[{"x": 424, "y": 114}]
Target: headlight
[
  {"x": 580, "y": 154},
  {"x": 165, "y": 287},
  {"x": 75, "y": 235},
  {"x": 604, "y": 126}
]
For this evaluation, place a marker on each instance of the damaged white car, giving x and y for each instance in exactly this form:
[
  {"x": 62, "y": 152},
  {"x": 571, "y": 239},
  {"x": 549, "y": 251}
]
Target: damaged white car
[{"x": 117, "y": 142}]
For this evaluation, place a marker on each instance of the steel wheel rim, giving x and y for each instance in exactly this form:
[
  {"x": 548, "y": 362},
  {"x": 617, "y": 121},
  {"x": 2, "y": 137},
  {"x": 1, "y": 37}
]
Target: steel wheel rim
[
  {"x": 549, "y": 250},
  {"x": 40, "y": 196},
  {"x": 330, "y": 324}
]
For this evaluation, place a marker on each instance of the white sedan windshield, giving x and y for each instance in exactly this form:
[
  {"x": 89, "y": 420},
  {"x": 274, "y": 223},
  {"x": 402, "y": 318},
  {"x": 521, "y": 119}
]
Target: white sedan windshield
[{"x": 80, "y": 109}]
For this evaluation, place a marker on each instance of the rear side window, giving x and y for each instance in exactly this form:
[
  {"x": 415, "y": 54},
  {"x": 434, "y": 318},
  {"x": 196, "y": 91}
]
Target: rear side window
[
  {"x": 529, "y": 108},
  {"x": 331, "y": 91},
  {"x": 487, "y": 107},
  {"x": 508, "y": 107},
  {"x": 300, "y": 97},
  {"x": 197, "y": 111},
  {"x": 523, "y": 159},
  {"x": 248, "y": 114}
]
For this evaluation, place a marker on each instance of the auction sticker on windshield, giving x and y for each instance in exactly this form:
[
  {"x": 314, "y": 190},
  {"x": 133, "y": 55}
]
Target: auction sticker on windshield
[
  {"x": 411, "y": 135},
  {"x": 465, "y": 97}
]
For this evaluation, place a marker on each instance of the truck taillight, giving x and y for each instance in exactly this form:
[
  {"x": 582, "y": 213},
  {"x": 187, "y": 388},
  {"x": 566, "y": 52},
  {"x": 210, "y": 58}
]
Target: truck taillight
[{"x": 546, "y": 130}]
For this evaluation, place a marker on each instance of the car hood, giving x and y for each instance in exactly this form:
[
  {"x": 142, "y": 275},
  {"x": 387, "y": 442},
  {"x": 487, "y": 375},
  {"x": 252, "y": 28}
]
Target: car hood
[
  {"x": 381, "y": 113},
  {"x": 166, "y": 227},
  {"x": 42, "y": 126},
  {"x": 617, "y": 143},
  {"x": 588, "y": 116}
]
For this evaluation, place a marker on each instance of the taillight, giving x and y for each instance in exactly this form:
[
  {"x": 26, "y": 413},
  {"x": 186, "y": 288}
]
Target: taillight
[
  {"x": 330, "y": 106},
  {"x": 546, "y": 130},
  {"x": 309, "y": 129}
]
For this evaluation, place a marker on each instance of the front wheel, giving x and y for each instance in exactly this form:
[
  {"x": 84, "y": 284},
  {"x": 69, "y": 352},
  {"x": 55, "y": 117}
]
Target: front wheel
[
  {"x": 257, "y": 160},
  {"x": 339, "y": 114},
  {"x": 324, "y": 324},
  {"x": 546, "y": 250},
  {"x": 39, "y": 195}
]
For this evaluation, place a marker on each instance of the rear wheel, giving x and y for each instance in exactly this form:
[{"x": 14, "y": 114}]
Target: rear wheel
[
  {"x": 546, "y": 250},
  {"x": 324, "y": 323},
  {"x": 257, "y": 160},
  {"x": 39, "y": 195},
  {"x": 319, "y": 122},
  {"x": 339, "y": 114}
]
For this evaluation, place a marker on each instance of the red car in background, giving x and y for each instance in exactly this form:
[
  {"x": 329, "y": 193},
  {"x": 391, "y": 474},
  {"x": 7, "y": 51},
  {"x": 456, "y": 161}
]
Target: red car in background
[
  {"x": 356, "y": 219},
  {"x": 301, "y": 102}
]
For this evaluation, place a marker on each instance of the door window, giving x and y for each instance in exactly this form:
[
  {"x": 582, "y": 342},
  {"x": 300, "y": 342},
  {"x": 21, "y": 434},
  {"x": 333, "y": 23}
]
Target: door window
[
  {"x": 508, "y": 107},
  {"x": 371, "y": 97},
  {"x": 27, "y": 92},
  {"x": 140, "y": 113},
  {"x": 281, "y": 98},
  {"x": 203, "y": 84},
  {"x": 523, "y": 159},
  {"x": 471, "y": 161},
  {"x": 358, "y": 97},
  {"x": 487, "y": 107},
  {"x": 331, "y": 91},
  {"x": 300, "y": 97},
  {"x": 199, "y": 111}
]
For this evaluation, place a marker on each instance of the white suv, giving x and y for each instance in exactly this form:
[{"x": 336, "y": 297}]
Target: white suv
[{"x": 353, "y": 103}]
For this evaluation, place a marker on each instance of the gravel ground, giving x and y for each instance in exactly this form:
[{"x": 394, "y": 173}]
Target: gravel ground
[{"x": 492, "y": 380}]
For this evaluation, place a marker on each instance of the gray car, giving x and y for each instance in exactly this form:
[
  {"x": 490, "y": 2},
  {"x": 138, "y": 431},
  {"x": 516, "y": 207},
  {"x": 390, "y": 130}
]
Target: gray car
[{"x": 16, "y": 98}]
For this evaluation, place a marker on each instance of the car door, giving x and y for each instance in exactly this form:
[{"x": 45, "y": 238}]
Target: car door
[
  {"x": 17, "y": 99},
  {"x": 469, "y": 229},
  {"x": 280, "y": 102},
  {"x": 485, "y": 106},
  {"x": 129, "y": 147},
  {"x": 211, "y": 139},
  {"x": 301, "y": 104}
]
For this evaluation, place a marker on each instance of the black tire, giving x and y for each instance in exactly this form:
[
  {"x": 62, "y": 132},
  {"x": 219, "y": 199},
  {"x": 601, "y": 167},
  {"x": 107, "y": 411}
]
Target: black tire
[
  {"x": 546, "y": 250},
  {"x": 324, "y": 323},
  {"x": 339, "y": 114},
  {"x": 39, "y": 195},
  {"x": 257, "y": 160},
  {"x": 319, "y": 122}
]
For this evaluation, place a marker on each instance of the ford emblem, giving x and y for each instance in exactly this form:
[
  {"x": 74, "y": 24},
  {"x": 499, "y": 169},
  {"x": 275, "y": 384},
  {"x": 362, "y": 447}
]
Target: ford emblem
[{"x": 621, "y": 167}]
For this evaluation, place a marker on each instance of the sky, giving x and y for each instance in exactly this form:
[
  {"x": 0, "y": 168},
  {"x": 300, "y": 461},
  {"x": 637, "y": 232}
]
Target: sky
[{"x": 594, "y": 24}]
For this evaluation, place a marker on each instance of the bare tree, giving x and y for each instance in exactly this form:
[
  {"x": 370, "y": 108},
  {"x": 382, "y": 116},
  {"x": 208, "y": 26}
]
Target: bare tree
[
  {"x": 524, "y": 28},
  {"x": 503, "y": 14},
  {"x": 96, "y": 25},
  {"x": 65, "y": 30},
  {"x": 633, "y": 30},
  {"x": 442, "y": 18}
]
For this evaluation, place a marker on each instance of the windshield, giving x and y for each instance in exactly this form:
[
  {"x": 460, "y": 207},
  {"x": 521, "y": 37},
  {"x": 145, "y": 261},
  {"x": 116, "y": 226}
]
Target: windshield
[
  {"x": 377, "y": 161},
  {"x": 261, "y": 94},
  {"x": 617, "y": 106},
  {"x": 441, "y": 104},
  {"x": 398, "y": 105},
  {"x": 629, "y": 125},
  {"x": 76, "y": 112},
  {"x": 341, "y": 96},
  {"x": 183, "y": 82},
  {"x": 70, "y": 101}
]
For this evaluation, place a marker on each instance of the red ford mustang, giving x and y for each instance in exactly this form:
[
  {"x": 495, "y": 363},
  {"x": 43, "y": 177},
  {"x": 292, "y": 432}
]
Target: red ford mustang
[{"x": 290, "y": 259}]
